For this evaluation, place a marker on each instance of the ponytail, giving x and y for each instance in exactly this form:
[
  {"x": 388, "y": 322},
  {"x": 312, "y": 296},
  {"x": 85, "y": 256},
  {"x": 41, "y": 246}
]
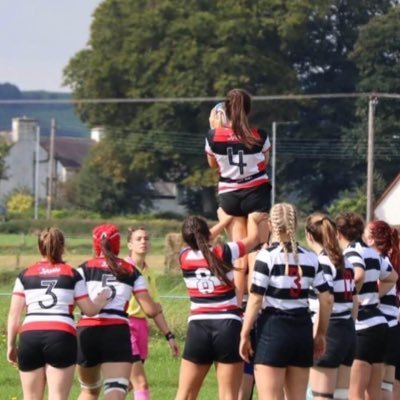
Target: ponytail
[
  {"x": 112, "y": 260},
  {"x": 51, "y": 245},
  {"x": 238, "y": 106},
  {"x": 324, "y": 231},
  {"x": 196, "y": 234}
]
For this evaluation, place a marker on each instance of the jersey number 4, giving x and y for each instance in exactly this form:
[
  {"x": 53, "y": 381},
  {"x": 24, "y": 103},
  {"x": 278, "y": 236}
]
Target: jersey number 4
[{"x": 240, "y": 163}]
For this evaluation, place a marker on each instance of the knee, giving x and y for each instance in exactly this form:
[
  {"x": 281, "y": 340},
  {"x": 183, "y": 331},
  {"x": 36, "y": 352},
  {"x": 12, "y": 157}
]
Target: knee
[{"x": 91, "y": 390}]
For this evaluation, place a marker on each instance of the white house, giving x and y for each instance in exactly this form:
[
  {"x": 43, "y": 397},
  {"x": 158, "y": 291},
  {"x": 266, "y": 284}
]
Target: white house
[
  {"x": 388, "y": 206},
  {"x": 69, "y": 153}
]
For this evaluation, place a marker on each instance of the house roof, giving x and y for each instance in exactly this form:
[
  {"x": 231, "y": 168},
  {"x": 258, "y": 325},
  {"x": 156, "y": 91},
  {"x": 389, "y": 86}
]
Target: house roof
[
  {"x": 388, "y": 190},
  {"x": 70, "y": 151}
]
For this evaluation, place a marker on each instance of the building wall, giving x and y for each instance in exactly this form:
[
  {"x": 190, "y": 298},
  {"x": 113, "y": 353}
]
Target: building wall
[
  {"x": 168, "y": 205},
  {"x": 389, "y": 208}
]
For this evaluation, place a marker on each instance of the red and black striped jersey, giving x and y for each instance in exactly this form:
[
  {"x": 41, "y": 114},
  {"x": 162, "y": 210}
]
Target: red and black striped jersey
[
  {"x": 240, "y": 167},
  {"x": 210, "y": 297},
  {"x": 97, "y": 275},
  {"x": 50, "y": 292}
]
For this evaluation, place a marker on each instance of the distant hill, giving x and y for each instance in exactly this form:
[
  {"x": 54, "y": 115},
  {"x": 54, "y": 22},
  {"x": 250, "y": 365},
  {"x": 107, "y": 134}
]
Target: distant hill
[{"x": 68, "y": 124}]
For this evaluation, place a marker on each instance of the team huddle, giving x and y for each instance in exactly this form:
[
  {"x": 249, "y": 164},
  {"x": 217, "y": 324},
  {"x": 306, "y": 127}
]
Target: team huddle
[{"x": 271, "y": 315}]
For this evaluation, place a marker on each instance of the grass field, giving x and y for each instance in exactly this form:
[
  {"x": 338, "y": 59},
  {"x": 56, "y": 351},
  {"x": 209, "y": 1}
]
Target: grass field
[{"x": 162, "y": 369}]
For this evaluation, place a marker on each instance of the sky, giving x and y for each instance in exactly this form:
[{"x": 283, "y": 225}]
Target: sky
[{"x": 38, "y": 37}]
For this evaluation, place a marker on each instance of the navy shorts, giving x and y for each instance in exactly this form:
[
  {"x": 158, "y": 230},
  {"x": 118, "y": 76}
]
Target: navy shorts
[
  {"x": 101, "y": 344},
  {"x": 371, "y": 344},
  {"x": 392, "y": 351},
  {"x": 213, "y": 340},
  {"x": 38, "y": 348},
  {"x": 240, "y": 203},
  {"x": 284, "y": 340},
  {"x": 340, "y": 344}
]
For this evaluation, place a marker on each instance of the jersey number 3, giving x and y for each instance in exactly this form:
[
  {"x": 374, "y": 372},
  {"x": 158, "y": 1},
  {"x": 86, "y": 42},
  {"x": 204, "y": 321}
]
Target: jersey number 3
[
  {"x": 241, "y": 164},
  {"x": 52, "y": 301}
]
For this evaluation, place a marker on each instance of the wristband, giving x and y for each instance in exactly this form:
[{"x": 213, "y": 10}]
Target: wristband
[{"x": 169, "y": 335}]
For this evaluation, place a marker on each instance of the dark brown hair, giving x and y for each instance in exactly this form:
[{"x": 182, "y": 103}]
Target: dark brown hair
[
  {"x": 196, "y": 234},
  {"x": 238, "y": 106},
  {"x": 350, "y": 225},
  {"x": 51, "y": 245},
  {"x": 113, "y": 262},
  {"x": 324, "y": 232}
]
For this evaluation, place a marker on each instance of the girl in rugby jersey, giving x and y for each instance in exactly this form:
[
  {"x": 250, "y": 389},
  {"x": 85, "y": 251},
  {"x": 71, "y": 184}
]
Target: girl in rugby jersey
[
  {"x": 47, "y": 346},
  {"x": 385, "y": 240},
  {"x": 104, "y": 346},
  {"x": 332, "y": 370},
  {"x": 215, "y": 316},
  {"x": 370, "y": 270},
  {"x": 241, "y": 154},
  {"x": 284, "y": 346}
]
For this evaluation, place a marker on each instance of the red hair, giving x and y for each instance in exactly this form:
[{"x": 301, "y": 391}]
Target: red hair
[
  {"x": 109, "y": 233},
  {"x": 387, "y": 243}
]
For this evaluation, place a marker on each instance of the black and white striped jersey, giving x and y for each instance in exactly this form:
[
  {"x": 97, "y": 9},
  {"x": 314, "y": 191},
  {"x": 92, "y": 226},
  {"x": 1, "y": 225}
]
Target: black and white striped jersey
[
  {"x": 287, "y": 292},
  {"x": 389, "y": 304},
  {"x": 342, "y": 284},
  {"x": 239, "y": 167},
  {"x": 50, "y": 292},
  {"x": 375, "y": 267},
  {"x": 97, "y": 275}
]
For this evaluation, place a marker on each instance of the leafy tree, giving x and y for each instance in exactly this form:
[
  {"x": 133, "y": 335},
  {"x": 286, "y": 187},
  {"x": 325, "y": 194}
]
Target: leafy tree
[{"x": 4, "y": 149}]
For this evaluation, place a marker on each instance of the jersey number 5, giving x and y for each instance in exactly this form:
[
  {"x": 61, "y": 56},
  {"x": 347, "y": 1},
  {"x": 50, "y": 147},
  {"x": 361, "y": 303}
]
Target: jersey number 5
[
  {"x": 241, "y": 164},
  {"x": 105, "y": 281},
  {"x": 49, "y": 284}
]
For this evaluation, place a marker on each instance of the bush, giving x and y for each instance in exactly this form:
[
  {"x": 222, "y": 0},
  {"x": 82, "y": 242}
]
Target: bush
[
  {"x": 19, "y": 202},
  {"x": 349, "y": 202}
]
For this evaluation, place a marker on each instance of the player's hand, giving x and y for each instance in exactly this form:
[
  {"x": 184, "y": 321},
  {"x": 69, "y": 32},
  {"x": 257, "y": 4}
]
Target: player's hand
[
  {"x": 319, "y": 345},
  {"x": 245, "y": 349},
  {"x": 223, "y": 216},
  {"x": 12, "y": 355},
  {"x": 174, "y": 347}
]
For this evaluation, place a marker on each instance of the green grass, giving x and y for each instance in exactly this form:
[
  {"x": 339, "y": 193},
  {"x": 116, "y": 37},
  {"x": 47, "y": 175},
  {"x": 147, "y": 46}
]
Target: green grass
[{"x": 162, "y": 369}]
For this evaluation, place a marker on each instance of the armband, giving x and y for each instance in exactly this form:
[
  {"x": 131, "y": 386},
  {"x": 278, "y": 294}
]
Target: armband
[{"x": 169, "y": 335}]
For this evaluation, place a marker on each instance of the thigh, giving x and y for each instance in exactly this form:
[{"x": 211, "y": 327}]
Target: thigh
[
  {"x": 360, "y": 375},
  {"x": 269, "y": 381},
  {"x": 296, "y": 383},
  {"x": 229, "y": 377},
  {"x": 191, "y": 377},
  {"x": 323, "y": 380},
  {"x": 33, "y": 383},
  {"x": 198, "y": 345},
  {"x": 59, "y": 381},
  {"x": 30, "y": 351}
]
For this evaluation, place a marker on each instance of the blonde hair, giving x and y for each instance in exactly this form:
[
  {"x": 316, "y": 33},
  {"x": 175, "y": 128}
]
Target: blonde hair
[{"x": 283, "y": 217}]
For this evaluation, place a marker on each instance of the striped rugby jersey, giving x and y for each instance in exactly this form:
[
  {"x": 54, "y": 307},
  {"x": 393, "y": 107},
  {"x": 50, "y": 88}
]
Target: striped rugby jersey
[
  {"x": 389, "y": 304},
  {"x": 375, "y": 267},
  {"x": 239, "y": 167},
  {"x": 287, "y": 292},
  {"x": 209, "y": 297},
  {"x": 50, "y": 292},
  {"x": 342, "y": 285},
  {"x": 97, "y": 275}
]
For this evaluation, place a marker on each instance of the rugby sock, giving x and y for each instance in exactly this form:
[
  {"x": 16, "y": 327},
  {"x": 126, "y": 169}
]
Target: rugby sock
[{"x": 141, "y": 394}]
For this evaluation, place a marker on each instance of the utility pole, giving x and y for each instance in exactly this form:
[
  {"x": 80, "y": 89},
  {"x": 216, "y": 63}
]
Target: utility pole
[
  {"x": 51, "y": 168},
  {"x": 36, "y": 208},
  {"x": 273, "y": 163},
  {"x": 373, "y": 101}
]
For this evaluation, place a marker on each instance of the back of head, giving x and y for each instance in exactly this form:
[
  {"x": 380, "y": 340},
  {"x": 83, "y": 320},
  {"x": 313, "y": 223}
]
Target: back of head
[
  {"x": 237, "y": 108},
  {"x": 218, "y": 117},
  {"x": 323, "y": 231},
  {"x": 106, "y": 243},
  {"x": 106, "y": 233},
  {"x": 196, "y": 234},
  {"x": 283, "y": 217},
  {"x": 350, "y": 225},
  {"x": 51, "y": 245}
]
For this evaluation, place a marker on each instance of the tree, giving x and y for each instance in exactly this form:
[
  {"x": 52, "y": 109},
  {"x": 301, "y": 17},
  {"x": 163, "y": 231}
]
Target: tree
[{"x": 4, "y": 149}]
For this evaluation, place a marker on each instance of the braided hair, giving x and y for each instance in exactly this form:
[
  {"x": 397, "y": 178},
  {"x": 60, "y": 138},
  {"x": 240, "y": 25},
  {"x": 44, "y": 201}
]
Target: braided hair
[{"x": 283, "y": 217}]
